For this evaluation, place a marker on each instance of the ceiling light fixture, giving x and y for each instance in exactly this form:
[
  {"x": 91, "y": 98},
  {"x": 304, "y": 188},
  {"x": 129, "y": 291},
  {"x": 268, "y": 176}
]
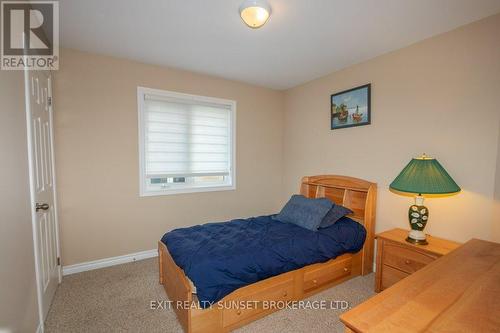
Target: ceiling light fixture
[{"x": 255, "y": 13}]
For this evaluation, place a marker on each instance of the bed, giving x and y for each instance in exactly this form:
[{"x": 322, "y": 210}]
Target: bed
[{"x": 302, "y": 282}]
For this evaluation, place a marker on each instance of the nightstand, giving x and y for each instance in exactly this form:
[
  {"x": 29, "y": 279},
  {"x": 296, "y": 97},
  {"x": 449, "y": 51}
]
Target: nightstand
[{"x": 396, "y": 258}]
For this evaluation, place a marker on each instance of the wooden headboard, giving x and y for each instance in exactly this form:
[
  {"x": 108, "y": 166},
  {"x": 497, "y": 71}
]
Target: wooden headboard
[{"x": 358, "y": 195}]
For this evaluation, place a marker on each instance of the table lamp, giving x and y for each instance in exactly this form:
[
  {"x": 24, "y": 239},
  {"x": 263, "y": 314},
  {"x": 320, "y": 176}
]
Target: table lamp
[{"x": 422, "y": 176}]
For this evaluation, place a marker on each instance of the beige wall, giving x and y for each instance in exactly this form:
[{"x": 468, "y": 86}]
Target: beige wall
[
  {"x": 101, "y": 213},
  {"x": 495, "y": 223},
  {"x": 439, "y": 96},
  {"x": 18, "y": 300}
]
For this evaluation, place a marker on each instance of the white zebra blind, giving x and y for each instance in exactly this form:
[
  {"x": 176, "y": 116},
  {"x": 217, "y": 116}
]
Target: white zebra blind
[{"x": 186, "y": 137}]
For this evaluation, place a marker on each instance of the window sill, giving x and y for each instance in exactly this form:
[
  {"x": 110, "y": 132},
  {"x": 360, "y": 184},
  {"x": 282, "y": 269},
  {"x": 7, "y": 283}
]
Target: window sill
[{"x": 187, "y": 190}]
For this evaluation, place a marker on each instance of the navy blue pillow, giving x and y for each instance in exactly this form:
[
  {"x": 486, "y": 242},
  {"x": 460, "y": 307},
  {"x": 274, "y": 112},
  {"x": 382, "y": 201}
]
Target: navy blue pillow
[
  {"x": 334, "y": 214},
  {"x": 304, "y": 212}
]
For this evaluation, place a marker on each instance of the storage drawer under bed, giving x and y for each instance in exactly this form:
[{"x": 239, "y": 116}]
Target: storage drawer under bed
[
  {"x": 321, "y": 274},
  {"x": 278, "y": 290}
]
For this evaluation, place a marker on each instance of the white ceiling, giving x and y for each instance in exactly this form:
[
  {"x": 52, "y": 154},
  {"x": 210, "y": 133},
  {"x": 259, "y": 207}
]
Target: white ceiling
[{"x": 303, "y": 39}]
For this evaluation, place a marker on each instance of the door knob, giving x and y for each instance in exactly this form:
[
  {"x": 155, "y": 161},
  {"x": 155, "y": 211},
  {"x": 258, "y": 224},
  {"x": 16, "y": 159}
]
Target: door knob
[{"x": 41, "y": 206}]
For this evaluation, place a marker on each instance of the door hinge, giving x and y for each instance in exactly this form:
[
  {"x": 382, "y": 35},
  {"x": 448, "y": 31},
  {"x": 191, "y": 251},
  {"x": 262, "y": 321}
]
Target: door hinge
[
  {"x": 49, "y": 101},
  {"x": 58, "y": 261}
]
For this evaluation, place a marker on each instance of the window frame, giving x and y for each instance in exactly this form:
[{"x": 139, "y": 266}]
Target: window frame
[{"x": 143, "y": 190}]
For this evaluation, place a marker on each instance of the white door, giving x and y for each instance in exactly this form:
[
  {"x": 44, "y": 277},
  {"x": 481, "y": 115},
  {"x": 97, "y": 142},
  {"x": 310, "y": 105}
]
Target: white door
[{"x": 45, "y": 228}]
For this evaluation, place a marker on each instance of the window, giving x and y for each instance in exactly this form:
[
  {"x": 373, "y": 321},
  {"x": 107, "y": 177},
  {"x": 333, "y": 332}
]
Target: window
[{"x": 186, "y": 143}]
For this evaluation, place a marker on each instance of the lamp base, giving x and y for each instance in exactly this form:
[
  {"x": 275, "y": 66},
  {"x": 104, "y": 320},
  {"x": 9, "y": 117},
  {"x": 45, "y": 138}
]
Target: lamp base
[
  {"x": 416, "y": 241},
  {"x": 418, "y": 215},
  {"x": 416, "y": 237}
]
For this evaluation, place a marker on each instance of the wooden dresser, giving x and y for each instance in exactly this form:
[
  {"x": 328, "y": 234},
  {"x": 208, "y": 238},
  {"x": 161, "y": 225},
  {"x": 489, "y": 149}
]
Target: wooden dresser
[
  {"x": 458, "y": 292},
  {"x": 397, "y": 259}
]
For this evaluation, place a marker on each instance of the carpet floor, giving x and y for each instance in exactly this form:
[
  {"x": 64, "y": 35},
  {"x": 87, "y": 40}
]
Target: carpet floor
[{"x": 118, "y": 298}]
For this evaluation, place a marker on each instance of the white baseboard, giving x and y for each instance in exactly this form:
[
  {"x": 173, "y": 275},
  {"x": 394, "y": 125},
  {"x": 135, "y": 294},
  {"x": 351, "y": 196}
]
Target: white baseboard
[{"x": 106, "y": 262}]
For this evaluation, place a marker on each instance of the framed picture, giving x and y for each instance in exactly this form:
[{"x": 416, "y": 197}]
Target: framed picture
[{"x": 351, "y": 107}]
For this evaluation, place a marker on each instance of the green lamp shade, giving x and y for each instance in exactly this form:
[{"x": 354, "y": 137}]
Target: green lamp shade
[{"x": 424, "y": 176}]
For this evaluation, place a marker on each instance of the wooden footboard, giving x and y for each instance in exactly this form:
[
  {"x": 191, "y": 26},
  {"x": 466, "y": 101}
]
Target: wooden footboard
[
  {"x": 356, "y": 194},
  {"x": 176, "y": 285},
  {"x": 179, "y": 292}
]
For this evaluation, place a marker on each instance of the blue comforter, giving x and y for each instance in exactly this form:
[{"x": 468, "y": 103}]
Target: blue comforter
[{"x": 222, "y": 257}]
